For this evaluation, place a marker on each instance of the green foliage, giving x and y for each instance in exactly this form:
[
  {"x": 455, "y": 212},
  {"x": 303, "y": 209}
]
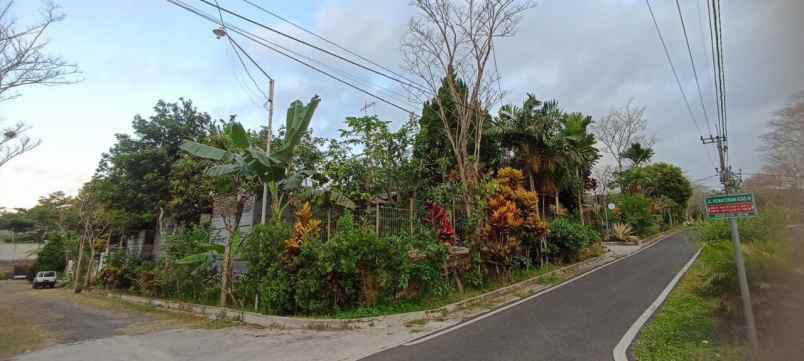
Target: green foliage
[
  {"x": 686, "y": 326},
  {"x": 17, "y": 222},
  {"x": 119, "y": 271},
  {"x": 635, "y": 210},
  {"x": 567, "y": 238},
  {"x": 762, "y": 243},
  {"x": 51, "y": 257},
  {"x": 554, "y": 148},
  {"x": 638, "y": 154},
  {"x": 662, "y": 182},
  {"x": 353, "y": 268},
  {"x": 136, "y": 172}
]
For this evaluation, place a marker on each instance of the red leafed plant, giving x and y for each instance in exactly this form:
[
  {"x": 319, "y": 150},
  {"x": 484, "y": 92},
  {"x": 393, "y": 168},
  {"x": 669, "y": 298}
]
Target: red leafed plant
[{"x": 438, "y": 217}]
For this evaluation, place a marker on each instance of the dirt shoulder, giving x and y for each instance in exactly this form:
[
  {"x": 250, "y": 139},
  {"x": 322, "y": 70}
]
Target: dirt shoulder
[{"x": 35, "y": 319}]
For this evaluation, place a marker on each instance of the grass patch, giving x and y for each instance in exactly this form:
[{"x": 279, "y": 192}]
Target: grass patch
[
  {"x": 685, "y": 328},
  {"x": 18, "y": 335}
]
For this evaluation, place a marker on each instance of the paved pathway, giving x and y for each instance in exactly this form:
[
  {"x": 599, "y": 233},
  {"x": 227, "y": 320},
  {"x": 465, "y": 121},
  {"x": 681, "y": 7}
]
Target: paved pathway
[{"x": 583, "y": 320}]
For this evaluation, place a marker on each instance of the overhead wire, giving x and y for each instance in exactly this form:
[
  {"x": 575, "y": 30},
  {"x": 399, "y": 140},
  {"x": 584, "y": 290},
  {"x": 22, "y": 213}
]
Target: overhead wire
[
  {"x": 715, "y": 76},
  {"x": 284, "y": 52},
  {"x": 694, "y": 70},
  {"x": 316, "y": 47},
  {"x": 675, "y": 74},
  {"x": 324, "y": 39}
]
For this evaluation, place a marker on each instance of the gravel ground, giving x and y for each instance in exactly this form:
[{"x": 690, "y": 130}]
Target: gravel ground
[{"x": 31, "y": 319}]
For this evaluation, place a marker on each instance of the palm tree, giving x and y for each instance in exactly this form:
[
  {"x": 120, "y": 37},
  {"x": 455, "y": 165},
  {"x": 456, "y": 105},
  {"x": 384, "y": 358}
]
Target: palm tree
[
  {"x": 579, "y": 151},
  {"x": 638, "y": 154},
  {"x": 532, "y": 134}
]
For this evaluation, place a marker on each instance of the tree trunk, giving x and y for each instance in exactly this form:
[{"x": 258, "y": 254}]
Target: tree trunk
[
  {"x": 226, "y": 272},
  {"x": 90, "y": 266},
  {"x": 533, "y": 189},
  {"x": 557, "y": 205},
  {"x": 77, "y": 274},
  {"x": 580, "y": 196}
]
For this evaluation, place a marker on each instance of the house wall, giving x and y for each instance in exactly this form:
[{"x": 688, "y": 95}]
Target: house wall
[
  {"x": 251, "y": 217},
  {"x": 18, "y": 251}
]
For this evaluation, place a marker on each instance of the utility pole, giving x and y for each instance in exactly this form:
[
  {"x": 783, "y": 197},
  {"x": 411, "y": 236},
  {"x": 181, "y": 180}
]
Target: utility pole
[
  {"x": 268, "y": 146},
  {"x": 730, "y": 183}
]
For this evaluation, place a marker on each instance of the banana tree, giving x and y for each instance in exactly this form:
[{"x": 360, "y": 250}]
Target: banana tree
[{"x": 240, "y": 166}]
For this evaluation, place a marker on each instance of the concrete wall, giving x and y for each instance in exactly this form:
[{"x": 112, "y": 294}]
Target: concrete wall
[{"x": 18, "y": 251}]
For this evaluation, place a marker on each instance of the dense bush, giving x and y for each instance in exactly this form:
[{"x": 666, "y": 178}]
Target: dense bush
[
  {"x": 567, "y": 238},
  {"x": 165, "y": 278},
  {"x": 354, "y": 268},
  {"x": 51, "y": 257},
  {"x": 635, "y": 210},
  {"x": 763, "y": 244}
]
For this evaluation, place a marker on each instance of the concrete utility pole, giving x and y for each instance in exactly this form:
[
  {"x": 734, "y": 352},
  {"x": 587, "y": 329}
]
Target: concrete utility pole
[
  {"x": 729, "y": 181},
  {"x": 268, "y": 146}
]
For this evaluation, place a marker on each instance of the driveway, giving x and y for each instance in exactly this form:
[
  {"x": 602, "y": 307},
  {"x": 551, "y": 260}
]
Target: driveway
[
  {"x": 34, "y": 319},
  {"x": 582, "y": 320}
]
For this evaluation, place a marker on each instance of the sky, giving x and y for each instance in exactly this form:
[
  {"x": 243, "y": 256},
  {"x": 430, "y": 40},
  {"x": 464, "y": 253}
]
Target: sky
[{"x": 590, "y": 56}]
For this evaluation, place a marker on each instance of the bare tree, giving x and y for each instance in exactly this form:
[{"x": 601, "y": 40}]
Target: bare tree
[
  {"x": 621, "y": 128},
  {"x": 783, "y": 145},
  {"x": 95, "y": 222},
  {"x": 14, "y": 143},
  {"x": 23, "y": 60},
  {"x": 452, "y": 42}
]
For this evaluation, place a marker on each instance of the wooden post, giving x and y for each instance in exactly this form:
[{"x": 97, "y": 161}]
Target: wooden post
[
  {"x": 412, "y": 215},
  {"x": 377, "y": 219},
  {"x": 329, "y": 221}
]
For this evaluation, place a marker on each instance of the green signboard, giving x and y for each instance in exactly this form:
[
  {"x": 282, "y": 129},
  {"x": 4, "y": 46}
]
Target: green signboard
[{"x": 731, "y": 206}]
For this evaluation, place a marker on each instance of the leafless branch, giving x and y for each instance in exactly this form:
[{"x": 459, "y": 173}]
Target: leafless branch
[
  {"x": 23, "y": 60},
  {"x": 452, "y": 42},
  {"x": 14, "y": 143},
  {"x": 622, "y": 127}
]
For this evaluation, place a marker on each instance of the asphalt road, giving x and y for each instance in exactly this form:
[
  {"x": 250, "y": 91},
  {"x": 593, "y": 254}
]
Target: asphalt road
[{"x": 582, "y": 320}]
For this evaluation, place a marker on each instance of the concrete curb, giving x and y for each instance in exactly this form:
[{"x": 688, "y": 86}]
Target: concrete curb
[{"x": 283, "y": 322}]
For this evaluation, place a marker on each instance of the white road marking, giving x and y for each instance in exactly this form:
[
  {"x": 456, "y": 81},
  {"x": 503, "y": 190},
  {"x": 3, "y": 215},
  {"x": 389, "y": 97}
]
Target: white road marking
[
  {"x": 621, "y": 350},
  {"x": 526, "y": 299}
]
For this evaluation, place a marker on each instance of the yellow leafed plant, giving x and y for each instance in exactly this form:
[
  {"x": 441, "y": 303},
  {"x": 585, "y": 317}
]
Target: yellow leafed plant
[{"x": 305, "y": 229}]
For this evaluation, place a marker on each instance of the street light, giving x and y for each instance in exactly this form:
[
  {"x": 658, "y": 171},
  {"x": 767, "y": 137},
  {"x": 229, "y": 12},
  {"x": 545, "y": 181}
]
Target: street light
[{"x": 220, "y": 32}]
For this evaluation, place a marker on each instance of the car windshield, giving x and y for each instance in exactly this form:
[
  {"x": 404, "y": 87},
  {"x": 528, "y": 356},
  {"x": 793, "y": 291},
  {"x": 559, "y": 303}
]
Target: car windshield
[{"x": 48, "y": 274}]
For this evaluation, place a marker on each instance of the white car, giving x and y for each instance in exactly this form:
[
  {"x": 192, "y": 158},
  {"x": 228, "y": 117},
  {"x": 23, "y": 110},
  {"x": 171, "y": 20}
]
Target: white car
[{"x": 45, "y": 279}]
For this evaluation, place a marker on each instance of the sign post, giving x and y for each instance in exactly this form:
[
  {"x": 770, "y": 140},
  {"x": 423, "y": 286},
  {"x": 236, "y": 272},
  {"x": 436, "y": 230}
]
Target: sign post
[{"x": 732, "y": 207}]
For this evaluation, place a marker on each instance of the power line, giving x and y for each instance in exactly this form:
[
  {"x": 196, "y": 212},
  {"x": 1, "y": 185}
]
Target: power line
[
  {"x": 675, "y": 73},
  {"x": 715, "y": 76},
  {"x": 240, "y": 58},
  {"x": 722, "y": 71},
  {"x": 694, "y": 70},
  {"x": 266, "y": 27},
  {"x": 322, "y": 38},
  {"x": 275, "y": 47},
  {"x": 672, "y": 67}
]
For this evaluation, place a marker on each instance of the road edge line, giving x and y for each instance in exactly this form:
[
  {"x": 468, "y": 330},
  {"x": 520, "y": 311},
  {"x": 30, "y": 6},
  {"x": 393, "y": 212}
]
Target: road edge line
[
  {"x": 438, "y": 333},
  {"x": 620, "y": 351}
]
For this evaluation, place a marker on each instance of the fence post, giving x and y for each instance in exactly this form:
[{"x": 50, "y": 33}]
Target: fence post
[
  {"x": 412, "y": 215},
  {"x": 329, "y": 220},
  {"x": 377, "y": 218}
]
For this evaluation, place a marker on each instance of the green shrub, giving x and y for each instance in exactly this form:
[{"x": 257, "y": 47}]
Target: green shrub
[
  {"x": 635, "y": 210},
  {"x": 567, "y": 238},
  {"x": 763, "y": 245},
  {"x": 51, "y": 257},
  {"x": 354, "y": 268}
]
